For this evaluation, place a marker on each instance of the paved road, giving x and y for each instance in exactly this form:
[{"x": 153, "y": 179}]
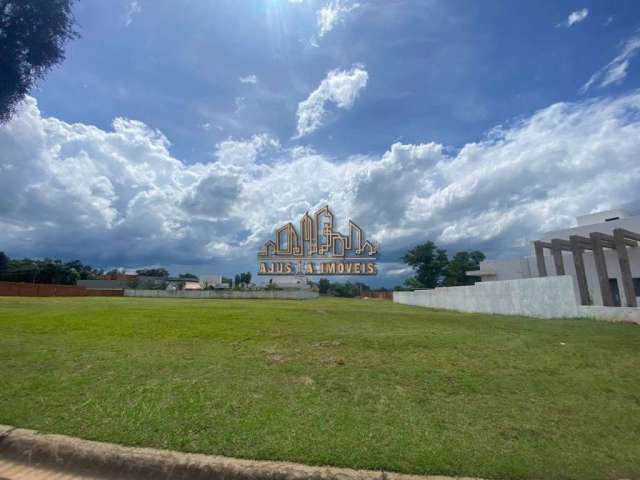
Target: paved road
[{"x": 16, "y": 471}]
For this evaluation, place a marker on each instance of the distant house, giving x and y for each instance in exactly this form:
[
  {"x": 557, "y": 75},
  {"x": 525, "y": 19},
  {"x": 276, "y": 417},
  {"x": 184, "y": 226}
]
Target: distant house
[
  {"x": 151, "y": 283},
  {"x": 291, "y": 282},
  {"x": 210, "y": 280},
  {"x": 191, "y": 285}
]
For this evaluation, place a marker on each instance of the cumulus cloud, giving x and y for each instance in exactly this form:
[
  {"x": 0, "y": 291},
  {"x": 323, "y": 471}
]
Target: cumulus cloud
[
  {"x": 119, "y": 197},
  {"x": 340, "y": 87},
  {"x": 615, "y": 71},
  {"x": 333, "y": 13},
  {"x": 249, "y": 79},
  {"x": 574, "y": 17}
]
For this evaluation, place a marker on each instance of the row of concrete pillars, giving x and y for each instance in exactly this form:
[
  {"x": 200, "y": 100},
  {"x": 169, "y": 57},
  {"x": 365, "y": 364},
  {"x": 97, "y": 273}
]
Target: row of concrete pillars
[{"x": 595, "y": 242}]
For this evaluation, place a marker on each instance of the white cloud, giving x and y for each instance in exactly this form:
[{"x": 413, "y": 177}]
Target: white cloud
[
  {"x": 134, "y": 9},
  {"x": 249, "y": 79},
  {"x": 574, "y": 17},
  {"x": 119, "y": 197},
  {"x": 615, "y": 71},
  {"x": 332, "y": 13},
  {"x": 340, "y": 87},
  {"x": 240, "y": 103}
]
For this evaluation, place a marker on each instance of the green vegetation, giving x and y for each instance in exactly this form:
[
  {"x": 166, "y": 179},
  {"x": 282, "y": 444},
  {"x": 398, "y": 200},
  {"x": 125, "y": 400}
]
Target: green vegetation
[
  {"x": 242, "y": 279},
  {"x": 433, "y": 267},
  {"x": 44, "y": 271},
  {"x": 345, "y": 290},
  {"x": 32, "y": 38},
  {"x": 364, "y": 384}
]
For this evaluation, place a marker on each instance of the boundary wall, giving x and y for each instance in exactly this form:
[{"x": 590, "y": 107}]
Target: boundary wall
[
  {"x": 547, "y": 297},
  {"x": 542, "y": 297},
  {"x": 18, "y": 289},
  {"x": 229, "y": 294}
]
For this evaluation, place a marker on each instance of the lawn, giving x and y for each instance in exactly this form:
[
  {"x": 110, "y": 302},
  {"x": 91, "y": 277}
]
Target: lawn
[{"x": 357, "y": 383}]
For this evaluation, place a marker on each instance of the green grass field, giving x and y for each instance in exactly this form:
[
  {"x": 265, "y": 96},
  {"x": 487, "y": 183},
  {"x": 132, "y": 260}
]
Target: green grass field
[{"x": 363, "y": 384}]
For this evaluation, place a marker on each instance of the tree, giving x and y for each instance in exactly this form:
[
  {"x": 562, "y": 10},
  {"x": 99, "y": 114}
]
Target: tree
[
  {"x": 462, "y": 262},
  {"x": 4, "y": 261},
  {"x": 47, "y": 271},
  {"x": 32, "y": 38},
  {"x": 323, "y": 286},
  {"x": 188, "y": 275},
  {"x": 237, "y": 280},
  {"x": 153, "y": 272},
  {"x": 429, "y": 263}
]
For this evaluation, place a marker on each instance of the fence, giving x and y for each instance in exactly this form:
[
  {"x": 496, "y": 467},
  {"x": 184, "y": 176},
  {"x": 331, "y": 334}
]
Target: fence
[
  {"x": 17, "y": 289},
  {"x": 246, "y": 294}
]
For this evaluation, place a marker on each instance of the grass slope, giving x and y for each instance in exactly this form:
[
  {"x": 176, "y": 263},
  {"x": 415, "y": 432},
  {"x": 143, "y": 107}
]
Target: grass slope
[{"x": 364, "y": 384}]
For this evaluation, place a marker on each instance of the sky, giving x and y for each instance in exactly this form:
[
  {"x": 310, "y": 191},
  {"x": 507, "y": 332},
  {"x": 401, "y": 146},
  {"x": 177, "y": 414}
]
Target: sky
[{"x": 181, "y": 133}]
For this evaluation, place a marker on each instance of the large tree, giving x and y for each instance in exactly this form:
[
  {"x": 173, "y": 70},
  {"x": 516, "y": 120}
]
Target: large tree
[
  {"x": 434, "y": 268},
  {"x": 32, "y": 38},
  {"x": 429, "y": 262},
  {"x": 153, "y": 272},
  {"x": 459, "y": 265},
  {"x": 47, "y": 271},
  {"x": 4, "y": 261}
]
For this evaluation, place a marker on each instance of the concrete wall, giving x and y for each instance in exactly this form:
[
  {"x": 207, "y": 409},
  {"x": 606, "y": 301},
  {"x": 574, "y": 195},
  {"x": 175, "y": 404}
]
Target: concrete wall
[
  {"x": 549, "y": 297},
  {"x": 514, "y": 268},
  {"x": 261, "y": 294},
  {"x": 612, "y": 314}
]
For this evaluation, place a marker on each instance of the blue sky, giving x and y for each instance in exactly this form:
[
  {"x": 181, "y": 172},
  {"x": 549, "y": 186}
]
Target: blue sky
[
  {"x": 421, "y": 119},
  {"x": 443, "y": 71}
]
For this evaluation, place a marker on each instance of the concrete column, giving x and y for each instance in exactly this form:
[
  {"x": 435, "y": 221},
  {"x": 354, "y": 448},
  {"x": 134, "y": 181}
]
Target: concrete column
[
  {"x": 601, "y": 268},
  {"x": 556, "y": 251},
  {"x": 538, "y": 246},
  {"x": 581, "y": 275},
  {"x": 625, "y": 268}
]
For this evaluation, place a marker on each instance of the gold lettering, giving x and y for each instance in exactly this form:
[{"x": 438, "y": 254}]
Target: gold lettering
[{"x": 294, "y": 251}]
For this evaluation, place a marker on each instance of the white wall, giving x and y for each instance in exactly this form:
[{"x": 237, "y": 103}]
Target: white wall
[
  {"x": 514, "y": 268},
  {"x": 548, "y": 297},
  {"x": 612, "y": 314}
]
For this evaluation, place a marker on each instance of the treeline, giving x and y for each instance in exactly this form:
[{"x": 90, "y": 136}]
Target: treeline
[
  {"x": 242, "y": 279},
  {"x": 347, "y": 289},
  {"x": 45, "y": 271},
  {"x": 433, "y": 267}
]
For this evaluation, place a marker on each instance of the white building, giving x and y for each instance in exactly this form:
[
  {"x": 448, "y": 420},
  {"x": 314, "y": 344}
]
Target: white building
[
  {"x": 591, "y": 291},
  {"x": 291, "y": 282},
  {"x": 214, "y": 281}
]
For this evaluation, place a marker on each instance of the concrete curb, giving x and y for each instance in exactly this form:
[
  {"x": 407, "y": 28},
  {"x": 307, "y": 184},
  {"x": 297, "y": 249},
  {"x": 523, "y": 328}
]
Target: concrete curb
[{"x": 106, "y": 460}]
